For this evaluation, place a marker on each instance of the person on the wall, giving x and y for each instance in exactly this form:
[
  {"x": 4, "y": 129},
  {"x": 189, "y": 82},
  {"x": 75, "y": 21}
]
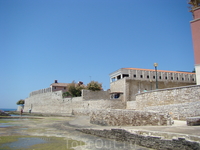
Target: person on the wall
[
  {"x": 145, "y": 90},
  {"x": 21, "y": 112}
]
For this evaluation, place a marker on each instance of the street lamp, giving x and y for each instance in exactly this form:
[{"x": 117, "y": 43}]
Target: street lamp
[{"x": 156, "y": 65}]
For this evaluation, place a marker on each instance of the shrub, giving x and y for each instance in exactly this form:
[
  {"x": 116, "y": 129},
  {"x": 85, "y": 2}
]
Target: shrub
[
  {"x": 74, "y": 90},
  {"x": 21, "y": 101},
  {"x": 94, "y": 86}
]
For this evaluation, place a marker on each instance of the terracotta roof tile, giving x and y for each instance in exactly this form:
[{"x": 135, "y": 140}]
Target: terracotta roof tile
[
  {"x": 59, "y": 84},
  {"x": 159, "y": 70}
]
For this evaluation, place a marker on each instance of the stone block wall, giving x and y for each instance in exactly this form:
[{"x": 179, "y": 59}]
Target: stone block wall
[
  {"x": 131, "y": 105},
  {"x": 89, "y": 95},
  {"x": 168, "y": 96},
  {"x": 118, "y": 86},
  {"x": 121, "y": 117},
  {"x": 41, "y": 91},
  {"x": 178, "y": 111},
  {"x": 54, "y": 103}
]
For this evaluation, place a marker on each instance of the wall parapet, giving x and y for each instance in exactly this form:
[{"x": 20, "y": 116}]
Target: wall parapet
[{"x": 41, "y": 91}]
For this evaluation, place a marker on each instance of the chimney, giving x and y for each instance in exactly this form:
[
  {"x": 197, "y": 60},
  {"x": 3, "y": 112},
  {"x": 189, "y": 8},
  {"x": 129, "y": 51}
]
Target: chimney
[{"x": 56, "y": 81}]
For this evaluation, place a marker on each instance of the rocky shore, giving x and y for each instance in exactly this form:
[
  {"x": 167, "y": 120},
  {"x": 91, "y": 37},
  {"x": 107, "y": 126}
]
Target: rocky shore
[{"x": 2, "y": 113}]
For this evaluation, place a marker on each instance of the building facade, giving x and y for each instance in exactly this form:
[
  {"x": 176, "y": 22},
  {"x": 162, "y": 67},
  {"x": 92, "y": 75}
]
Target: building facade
[
  {"x": 195, "y": 27},
  {"x": 127, "y": 82},
  {"x": 59, "y": 86}
]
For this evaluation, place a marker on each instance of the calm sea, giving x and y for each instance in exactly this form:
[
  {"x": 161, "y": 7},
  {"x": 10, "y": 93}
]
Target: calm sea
[{"x": 7, "y": 109}]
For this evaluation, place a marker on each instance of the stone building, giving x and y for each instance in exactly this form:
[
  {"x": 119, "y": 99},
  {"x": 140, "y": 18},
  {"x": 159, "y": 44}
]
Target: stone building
[
  {"x": 59, "y": 86},
  {"x": 126, "y": 82},
  {"x": 195, "y": 27}
]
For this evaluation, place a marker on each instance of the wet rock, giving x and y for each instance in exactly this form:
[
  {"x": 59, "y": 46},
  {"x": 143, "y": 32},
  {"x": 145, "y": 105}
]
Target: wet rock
[{"x": 2, "y": 113}]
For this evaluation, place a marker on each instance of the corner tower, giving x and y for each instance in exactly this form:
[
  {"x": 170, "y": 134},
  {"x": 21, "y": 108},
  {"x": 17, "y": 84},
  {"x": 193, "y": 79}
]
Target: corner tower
[{"x": 195, "y": 27}]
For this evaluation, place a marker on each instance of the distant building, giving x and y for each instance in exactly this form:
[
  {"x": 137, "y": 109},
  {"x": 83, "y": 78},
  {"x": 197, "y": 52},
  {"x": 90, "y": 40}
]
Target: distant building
[
  {"x": 126, "y": 82},
  {"x": 195, "y": 27},
  {"x": 59, "y": 86}
]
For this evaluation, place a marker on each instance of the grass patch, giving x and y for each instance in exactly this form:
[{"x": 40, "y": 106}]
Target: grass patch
[
  {"x": 57, "y": 143},
  {"x": 52, "y": 143},
  {"x": 5, "y": 121}
]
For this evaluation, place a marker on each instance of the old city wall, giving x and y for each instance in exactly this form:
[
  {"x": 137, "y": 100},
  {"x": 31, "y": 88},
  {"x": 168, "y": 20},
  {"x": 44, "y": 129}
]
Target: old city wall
[
  {"x": 138, "y": 86},
  {"x": 181, "y": 102},
  {"x": 53, "y": 102},
  {"x": 88, "y": 95},
  {"x": 119, "y": 117}
]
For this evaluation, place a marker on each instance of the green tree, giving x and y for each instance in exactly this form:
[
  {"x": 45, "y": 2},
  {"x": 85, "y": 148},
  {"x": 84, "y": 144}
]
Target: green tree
[
  {"x": 21, "y": 101},
  {"x": 94, "y": 86},
  {"x": 74, "y": 89}
]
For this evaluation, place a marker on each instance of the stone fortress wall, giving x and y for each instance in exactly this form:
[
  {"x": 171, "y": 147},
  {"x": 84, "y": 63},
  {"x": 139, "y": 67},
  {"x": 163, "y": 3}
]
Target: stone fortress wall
[
  {"x": 180, "y": 102},
  {"x": 53, "y": 102},
  {"x": 46, "y": 90}
]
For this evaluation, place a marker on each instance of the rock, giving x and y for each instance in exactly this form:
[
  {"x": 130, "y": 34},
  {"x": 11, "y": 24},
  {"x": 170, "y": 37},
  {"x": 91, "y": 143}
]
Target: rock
[
  {"x": 2, "y": 113},
  {"x": 193, "y": 121}
]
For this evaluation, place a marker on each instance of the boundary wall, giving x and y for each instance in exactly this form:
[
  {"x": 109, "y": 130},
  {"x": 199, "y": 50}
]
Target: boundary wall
[
  {"x": 41, "y": 91},
  {"x": 181, "y": 102},
  {"x": 53, "y": 102}
]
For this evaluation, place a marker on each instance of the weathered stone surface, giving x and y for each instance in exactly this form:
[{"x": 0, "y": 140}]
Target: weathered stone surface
[
  {"x": 146, "y": 141},
  {"x": 180, "y": 102},
  {"x": 120, "y": 117},
  {"x": 193, "y": 121},
  {"x": 53, "y": 102}
]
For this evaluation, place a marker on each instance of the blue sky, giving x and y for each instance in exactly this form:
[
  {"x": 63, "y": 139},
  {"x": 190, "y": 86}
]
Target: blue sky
[{"x": 82, "y": 40}]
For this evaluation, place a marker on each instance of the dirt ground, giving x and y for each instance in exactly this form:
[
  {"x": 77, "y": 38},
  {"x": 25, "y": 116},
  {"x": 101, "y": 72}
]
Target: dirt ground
[{"x": 61, "y": 127}]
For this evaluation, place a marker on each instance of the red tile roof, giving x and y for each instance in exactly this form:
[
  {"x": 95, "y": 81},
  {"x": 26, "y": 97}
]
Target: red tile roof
[{"x": 60, "y": 84}]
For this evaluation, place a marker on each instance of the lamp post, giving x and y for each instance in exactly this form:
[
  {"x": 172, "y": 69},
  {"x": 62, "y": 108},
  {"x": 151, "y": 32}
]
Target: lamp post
[{"x": 156, "y": 65}]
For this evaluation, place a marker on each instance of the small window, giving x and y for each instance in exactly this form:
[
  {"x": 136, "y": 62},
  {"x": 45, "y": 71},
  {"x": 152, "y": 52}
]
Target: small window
[
  {"x": 160, "y": 77},
  {"x": 125, "y": 75},
  {"x": 64, "y": 88},
  {"x": 54, "y": 87},
  {"x": 147, "y": 76},
  {"x": 172, "y": 78},
  {"x": 177, "y": 78},
  {"x": 193, "y": 79},
  {"x": 134, "y": 75},
  {"x": 166, "y": 78},
  {"x": 154, "y": 77},
  {"x": 183, "y": 79},
  {"x": 141, "y": 76}
]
